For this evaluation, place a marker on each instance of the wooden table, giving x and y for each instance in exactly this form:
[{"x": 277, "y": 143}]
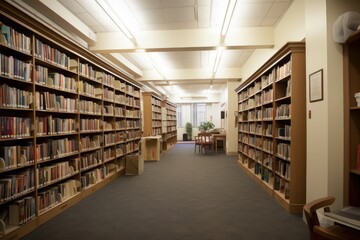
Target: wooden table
[{"x": 219, "y": 136}]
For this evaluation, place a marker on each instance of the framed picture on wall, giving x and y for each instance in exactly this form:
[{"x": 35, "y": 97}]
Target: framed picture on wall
[{"x": 316, "y": 86}]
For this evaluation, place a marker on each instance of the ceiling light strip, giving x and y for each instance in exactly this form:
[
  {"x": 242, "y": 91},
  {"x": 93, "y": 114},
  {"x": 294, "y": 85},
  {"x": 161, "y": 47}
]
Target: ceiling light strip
[
  {"x": 107, "y": 10},
  {"x": 217, "y": 60},
  {"x": 228, "y": 15}
]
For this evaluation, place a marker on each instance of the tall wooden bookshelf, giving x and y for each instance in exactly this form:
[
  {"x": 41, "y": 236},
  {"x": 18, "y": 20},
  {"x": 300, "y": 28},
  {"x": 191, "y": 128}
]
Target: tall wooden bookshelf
[
  {"x": 351, "y": 61},
  {"x": 169, "y": 125},
  {"x": 68, "y": 120},
  {"x": 152, "y": 114},
  {"x": 272, "y": 120}
]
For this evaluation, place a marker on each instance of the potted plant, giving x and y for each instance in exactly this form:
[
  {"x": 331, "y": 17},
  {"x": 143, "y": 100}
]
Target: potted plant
[
  {"x": 206, "y": 126},
  {"x": 188, "y": 129}
]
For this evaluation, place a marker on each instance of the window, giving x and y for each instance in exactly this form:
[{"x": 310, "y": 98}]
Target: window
[
  {"x": 178, "y": 116},
  {"x": 199, "y": 113}
]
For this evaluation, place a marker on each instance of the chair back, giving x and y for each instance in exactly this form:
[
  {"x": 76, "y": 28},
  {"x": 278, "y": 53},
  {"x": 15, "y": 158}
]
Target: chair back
[
  {"x": 205, "y": 137},
  {"x": 311, "y": 215}
]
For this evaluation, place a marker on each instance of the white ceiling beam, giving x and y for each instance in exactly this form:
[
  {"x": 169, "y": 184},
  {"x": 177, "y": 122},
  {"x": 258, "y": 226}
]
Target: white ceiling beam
[
  {"x": 124, "y": 63},
  {"x": 190, "y": 39},
  {"x": 191, "y": 74},
  {"x": 71, "y": 20}
]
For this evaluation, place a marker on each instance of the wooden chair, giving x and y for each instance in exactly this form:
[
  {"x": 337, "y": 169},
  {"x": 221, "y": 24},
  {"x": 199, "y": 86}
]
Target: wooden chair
[
  {"x": 205, "y": 141},
  {"x": 197, "y": 144},
  {"x": 335, "y": 232}
]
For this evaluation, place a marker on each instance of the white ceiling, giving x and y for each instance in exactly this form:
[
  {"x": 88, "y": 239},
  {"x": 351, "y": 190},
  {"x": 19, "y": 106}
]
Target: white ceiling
[{"x": 179, "y": 37}]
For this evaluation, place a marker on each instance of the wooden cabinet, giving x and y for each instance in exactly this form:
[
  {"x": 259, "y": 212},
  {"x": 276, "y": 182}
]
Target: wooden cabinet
[
  {"x": 169, "y": 125},
  {"x": 272, "y": 126},
  {"x": 351, "y": 120},
  {"x": 68, "y": 120},
  {"x": 152, "y": 114}
]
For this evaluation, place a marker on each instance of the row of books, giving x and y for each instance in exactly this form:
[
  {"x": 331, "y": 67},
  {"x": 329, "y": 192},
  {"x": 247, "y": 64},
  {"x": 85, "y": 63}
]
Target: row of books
[
  {"x": 284, "y": 132},
  {"x": 90, "y": 107},
  {"x": 21, "y": 211},
  {"x": 12, "y": 38},
  {"x": 56, "y": 171},
  {"x": 90, "y": 125},
  {"x": 12, "y": 186},
  {"x": 12, "y": 97},
  {"x": 86, "y": 70},
  {"x": 90, "y": 142},
  {"x": 109, "y": 154},
  {"x": 88, "y": 89},
  {"x": 51, "y": 55},
  {"x": 109, "y": 94},
  {"x": 255, "y": 154},
  {"x": 54, "y": 125},
  {"x": 53, "y": 196},
  {"x": 15, "y": 127},
  {"x": 54, "y": 79},
  {"x": 120, "y": 150},
  {"x": 92, "y": 177},
  {"x": 267, "y": 113},
  {"x": 283, "y": 169},
  {"x": 52, "y": 102},
  {"x": 106, "y": 79},
  {"x": 16, "y": 156},
  {"x": 282, "y": 186},
  {"x": 283, "y": 111},
  {"x": 90, "y": 159},
  {"x": 56, "y": 148},
  {"x": 283, "y": 150},
  {"x": 14, "y": 68}
]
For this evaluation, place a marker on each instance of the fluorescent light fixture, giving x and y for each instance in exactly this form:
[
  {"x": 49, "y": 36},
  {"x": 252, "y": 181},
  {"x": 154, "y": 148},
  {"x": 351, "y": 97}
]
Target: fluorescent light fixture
[
  {"x": 228, "y": 15},
  {"x": 153, "y": 60},
  {"x": 108, "y": 11},
  {"x": 217, "y": 60}
]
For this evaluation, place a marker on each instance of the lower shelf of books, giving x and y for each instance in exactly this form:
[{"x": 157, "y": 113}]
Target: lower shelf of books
[
  {"x": 267, "y": 183},
  {"x": 17, "y": 232}
]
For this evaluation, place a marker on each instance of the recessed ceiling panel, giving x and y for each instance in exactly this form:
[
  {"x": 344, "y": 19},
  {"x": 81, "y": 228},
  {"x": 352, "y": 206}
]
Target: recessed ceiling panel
[
  {"x": 180, "y": 14},
  {"x": 176, "y": 3},
  {"x": 143, "y": 4}
]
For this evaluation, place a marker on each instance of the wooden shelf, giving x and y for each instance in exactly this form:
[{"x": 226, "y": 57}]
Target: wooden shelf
[
  {"x": 265, "y": 100},
  {"x": 351, "y": 61},
  {"x": 71, "y": 100},
  {"x": 169, "y": 125}
]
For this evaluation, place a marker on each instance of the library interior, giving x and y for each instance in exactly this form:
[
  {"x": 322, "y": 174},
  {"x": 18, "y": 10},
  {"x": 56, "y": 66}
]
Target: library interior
[{"x": 95, "y": 91}]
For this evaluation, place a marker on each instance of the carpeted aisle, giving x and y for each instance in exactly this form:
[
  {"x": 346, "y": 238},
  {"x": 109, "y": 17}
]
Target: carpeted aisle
[{"x": 183, "y": 196}]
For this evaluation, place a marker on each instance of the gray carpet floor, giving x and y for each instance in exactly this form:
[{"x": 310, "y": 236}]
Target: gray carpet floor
[{"x": 183, "y": 196}]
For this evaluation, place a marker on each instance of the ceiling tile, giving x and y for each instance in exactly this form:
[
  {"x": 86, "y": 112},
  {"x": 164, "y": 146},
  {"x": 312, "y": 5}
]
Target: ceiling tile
[
  {"x": 243, "y": 57},
  {"x": 269, "y": 21},
  {"x": 180, "y": 14},
  {"x": 150, "y": 16},
  {"x": 176, "y": 3},
  {"x": 204, "y": 13},
  {"x": 229, "y": 58},
  {"x": 204, "y": 59},
  {"x": 73, "y": 6},
  {"x": 89, "y": 6},
  {"x": 143, "y": 4},
  {"x": 246, "y": 22},
  {"x": 277, "y": 9},
  {"x": 251, "y": 10},
  {"x": 170, "y": 26}
]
